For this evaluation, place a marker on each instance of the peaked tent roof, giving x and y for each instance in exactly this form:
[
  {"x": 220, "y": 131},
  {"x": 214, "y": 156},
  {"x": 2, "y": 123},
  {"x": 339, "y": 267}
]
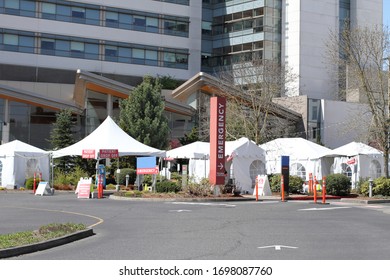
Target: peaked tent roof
[
  {"x": 296, "y": 148},
  {"x": 109, "y": 136},
  {"x": 354, "y": 149},
  {"x": 197, "y": 150},
  {"x": 19, "y": 148}
]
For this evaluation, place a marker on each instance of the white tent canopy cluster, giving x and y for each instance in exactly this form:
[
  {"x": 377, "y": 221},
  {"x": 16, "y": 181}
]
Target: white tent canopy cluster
[{"x": 244, "y": 160}]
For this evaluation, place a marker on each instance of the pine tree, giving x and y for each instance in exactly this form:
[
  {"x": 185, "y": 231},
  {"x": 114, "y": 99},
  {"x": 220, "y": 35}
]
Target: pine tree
[
  {"x": 61, "y": 137},
  {"x": 142, "y": 114}
]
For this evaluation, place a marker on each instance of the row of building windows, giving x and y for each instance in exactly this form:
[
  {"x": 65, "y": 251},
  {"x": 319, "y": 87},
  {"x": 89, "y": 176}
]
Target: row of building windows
[
  {"x": 181, "y": 2},
  {"x": 96, "y": 15},
  {"x": 45, "y": 44}
]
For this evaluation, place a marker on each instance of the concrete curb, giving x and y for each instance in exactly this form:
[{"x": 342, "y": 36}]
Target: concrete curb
[
  {"x": 115, "y": 197},
  {"x": 365, "y": 201},
  {"x": 26, "y": 249}
]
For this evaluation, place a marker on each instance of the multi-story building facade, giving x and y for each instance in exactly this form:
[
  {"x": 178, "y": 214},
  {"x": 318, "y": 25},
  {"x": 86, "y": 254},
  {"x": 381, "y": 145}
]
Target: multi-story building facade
[
  {"x": 115, "y": 43},
  {"x": 44, "y": 43}
]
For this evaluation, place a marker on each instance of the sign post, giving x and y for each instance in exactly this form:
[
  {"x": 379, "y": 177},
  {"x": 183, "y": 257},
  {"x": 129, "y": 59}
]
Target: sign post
[{"x": 217, "y": 140}]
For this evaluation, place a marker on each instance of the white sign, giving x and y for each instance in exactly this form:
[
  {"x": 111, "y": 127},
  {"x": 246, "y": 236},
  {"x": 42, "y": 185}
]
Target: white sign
[
  {"x": 263, "y": 186},
  {"x": 83, "y": 189},
  {"x": 43, "y": 189}
]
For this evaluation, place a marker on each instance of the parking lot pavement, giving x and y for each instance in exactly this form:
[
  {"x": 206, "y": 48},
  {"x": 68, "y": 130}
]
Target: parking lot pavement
[{"x": 268, "y": 229}]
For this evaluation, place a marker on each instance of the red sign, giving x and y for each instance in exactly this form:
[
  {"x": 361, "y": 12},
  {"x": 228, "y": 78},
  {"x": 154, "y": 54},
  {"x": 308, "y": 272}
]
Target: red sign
[
  {"x": 108, "y": 153},
  {"x": 88, "y": 154},
  {"x": 153, "y": 170},
  {"x": 217, "y": 140},
  {"x": 352, "y": 161}
]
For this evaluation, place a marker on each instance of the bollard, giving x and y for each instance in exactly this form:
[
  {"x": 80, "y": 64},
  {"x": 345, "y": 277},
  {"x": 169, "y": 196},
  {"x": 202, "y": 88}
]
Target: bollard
[
  {"x": 315, "y": 189},
  {"x": 35, "y": 182},
  {"x": 323, "y": 190},
  {"x": 282, "y": 187},
  {"x": 257, "y": 188},
  {"x": 310, "y": 183},
  {"x": 100, "y": 186}
]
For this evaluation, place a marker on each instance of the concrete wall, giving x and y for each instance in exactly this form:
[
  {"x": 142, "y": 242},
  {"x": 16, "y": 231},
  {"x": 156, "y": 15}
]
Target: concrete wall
[{"x": 344, "y": 122}]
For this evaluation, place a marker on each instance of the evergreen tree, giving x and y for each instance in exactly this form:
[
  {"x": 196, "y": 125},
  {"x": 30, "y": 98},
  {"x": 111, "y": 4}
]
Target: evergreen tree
[
  {"x": 142, "y": 114},
  {"x": 61, "y": 137}
]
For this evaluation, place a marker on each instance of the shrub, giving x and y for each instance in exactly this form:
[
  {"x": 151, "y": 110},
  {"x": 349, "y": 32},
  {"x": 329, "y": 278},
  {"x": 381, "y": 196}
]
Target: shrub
[
  {"x": 295, "y": 183},
  {"x": 338, "y": 184},
  {"x": 122, "y": 176},
  {"x": 380, "y": 187},
  {"x": 29, "y": 185},
  {"x": 201, "y": 189},
  {"x": 167, "y": 186}
]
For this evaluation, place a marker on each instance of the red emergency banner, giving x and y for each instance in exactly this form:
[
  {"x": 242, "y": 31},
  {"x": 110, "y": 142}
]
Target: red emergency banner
[{"x": 217, "y": 140}]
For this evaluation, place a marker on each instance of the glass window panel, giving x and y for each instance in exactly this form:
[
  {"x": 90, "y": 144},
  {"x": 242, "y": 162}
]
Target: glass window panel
[
  {"x": 10, "y": 39},
  {"x": 151, "y": 55},
  {"x": 92, "y": 16},
  {"x": 48, "y": 8},
  {"x": 27, "y": 5},
  {"x": 62, "y": 45},
  {"x": 124, "y": 55},
  {"x": 139, "y": 53},
  {"x": 150, "y": 21},
  {"x": 111, "y": 53},
  {"x": 64, "y": 10},
  {"x": 125, "y": 21},
  {"x": 112, "y": 16},
  {"x": 26, "y": 41},
  {"x": 112, "y": 19},
  {"x": 78, "y": 12},
  {"x": 12, "y": 4},
  {"x": 181, "y": 58},
  {"x": 169, "y": 57},
  {"x": 77, "y": 46},
  {"x": 47, "y": 44},
  {"x": 91, "y": 51},
  {"x": 139, "y": 21}
]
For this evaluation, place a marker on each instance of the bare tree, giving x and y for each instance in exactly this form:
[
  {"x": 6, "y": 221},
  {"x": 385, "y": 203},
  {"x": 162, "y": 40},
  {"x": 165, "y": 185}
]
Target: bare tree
[
  {"x": 250, "y": 87},
  {"x": 362, "y": 54}
]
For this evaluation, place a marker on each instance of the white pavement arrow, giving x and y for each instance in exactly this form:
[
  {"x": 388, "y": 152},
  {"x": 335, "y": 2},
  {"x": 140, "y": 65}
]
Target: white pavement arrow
[
  {"x": 277, "y": 247},
  {"x": 179, "y": 211},
  {"x": 323, "y": 209}
]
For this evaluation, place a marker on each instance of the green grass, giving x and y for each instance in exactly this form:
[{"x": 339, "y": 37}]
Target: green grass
[{"x": 46, "y": 232}]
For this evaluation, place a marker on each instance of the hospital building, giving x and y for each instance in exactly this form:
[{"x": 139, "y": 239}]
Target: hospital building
[{"x": 88, "y": 55}]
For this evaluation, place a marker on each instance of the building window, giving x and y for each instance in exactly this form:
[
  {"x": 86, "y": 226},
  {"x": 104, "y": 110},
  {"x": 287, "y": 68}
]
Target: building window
[
  {"x": 48, "y": 11},
  {"x": 47, "y": 46},
  {"x": 139, "y": 23},
  {"x": 124, "y": 55},
  {"x": 112, "y": 19},
  {"x": 111, "y": 53},
  {"x": 77, "y": 49},
  {"x": 78, "y": 14}
]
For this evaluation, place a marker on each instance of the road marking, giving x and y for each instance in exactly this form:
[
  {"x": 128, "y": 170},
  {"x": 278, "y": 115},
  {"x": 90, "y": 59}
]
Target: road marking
[
  {"x": 277, "y": 247},
  {"x": 179, "y": 211},
  {"x": 100, "y": 220},
  {"x": 204, "y": 204},
  {"x": 323, "y": 209}
]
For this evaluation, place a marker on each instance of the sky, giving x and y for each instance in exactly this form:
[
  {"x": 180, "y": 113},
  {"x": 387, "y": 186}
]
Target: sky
[{"x": 386, "y": 12}]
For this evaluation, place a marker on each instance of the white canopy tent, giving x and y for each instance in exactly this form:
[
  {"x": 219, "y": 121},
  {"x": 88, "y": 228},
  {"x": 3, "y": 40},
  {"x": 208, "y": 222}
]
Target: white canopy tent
[
  {"x": 109, "y": 136},
  {"x": 19, "y": 161},
  {"x": 357, "y": 160},
  {"x": 244, "y": 161},
  {"x": 305, "y": 157}
]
